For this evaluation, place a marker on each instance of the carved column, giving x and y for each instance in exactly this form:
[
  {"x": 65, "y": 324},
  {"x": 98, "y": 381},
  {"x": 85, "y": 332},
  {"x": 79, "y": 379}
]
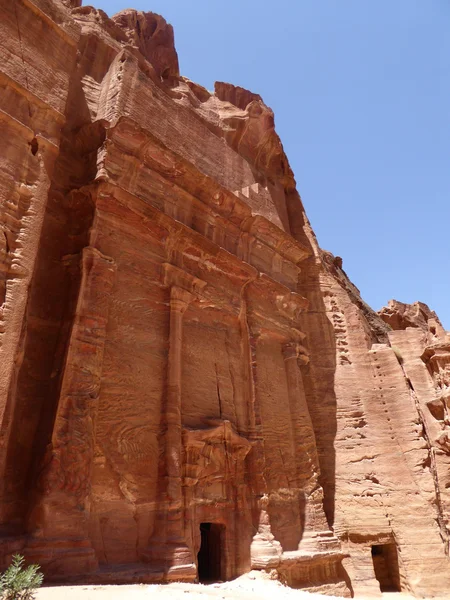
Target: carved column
[
  {"x": 315, "y": 525},
  {"x": 179, "y": 301},
  {"x": 169, "y": 542},
  {"x": 265, "y": 551},
  {"x": 59, "y": 518},
  {"x": 254, "y": 432}
]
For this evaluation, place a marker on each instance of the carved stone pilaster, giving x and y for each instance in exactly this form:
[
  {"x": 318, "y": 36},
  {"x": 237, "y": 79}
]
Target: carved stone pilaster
[
  {"x": 183, "y": 288},
  {"x": 168, "y": 544},
  {"x": 62, "y": 507},
  {"x": 265, "y": 550},
  {"x": 179, "y": 301},
  {"x": 254, "y": 429}
]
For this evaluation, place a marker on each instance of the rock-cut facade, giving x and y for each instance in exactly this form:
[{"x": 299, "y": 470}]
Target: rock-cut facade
[{"x": 190, "y": 388}]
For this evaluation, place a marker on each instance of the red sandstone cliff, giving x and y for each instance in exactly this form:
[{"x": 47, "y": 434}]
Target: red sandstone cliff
[{"x": 181, "y": 366}]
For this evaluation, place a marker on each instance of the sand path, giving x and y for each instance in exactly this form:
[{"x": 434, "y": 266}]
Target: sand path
[{"x": 244, "y": 588}]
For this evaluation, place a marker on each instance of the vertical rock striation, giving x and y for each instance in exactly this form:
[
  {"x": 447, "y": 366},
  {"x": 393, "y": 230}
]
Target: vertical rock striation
[{"x": 182, "y": 368}]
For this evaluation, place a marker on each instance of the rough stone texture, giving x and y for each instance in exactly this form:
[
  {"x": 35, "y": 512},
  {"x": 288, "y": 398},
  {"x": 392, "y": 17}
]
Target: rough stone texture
[
  {"x": 175, "y": 347},
  {"x": 401, "y": 316}
]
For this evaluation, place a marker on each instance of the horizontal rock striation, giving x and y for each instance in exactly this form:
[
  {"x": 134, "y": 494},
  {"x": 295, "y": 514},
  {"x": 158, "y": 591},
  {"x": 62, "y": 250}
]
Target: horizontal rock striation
[{"x": 190, "y": 387}]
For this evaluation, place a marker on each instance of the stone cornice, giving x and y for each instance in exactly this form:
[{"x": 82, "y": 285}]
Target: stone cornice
[
  {"x": 173, "y": 276},
  {"x": 131, "y": 139},
  {"x": 269, "y": 300},
  {"x": 278, "y": 240}
]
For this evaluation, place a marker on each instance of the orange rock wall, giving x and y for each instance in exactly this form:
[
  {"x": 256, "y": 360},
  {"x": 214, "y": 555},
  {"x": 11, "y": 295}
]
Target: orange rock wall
[{"x": 175, "y": 347}]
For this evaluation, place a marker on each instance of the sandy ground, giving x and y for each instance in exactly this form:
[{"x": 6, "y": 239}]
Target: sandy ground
[{"x": 249, "y": 587}]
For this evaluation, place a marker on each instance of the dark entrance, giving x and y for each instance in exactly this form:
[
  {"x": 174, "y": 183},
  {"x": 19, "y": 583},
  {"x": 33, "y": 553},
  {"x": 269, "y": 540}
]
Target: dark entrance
[
  {"x": 385, "y": 564},
  {"x": 210, "y": 554}
]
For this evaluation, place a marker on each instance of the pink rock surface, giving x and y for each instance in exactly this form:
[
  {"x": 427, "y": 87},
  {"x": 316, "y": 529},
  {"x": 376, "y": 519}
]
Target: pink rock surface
[{"x": 181, "y": 366}]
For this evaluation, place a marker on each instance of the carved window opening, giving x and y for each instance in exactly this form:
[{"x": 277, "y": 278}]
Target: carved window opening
[
  {"x": 211, "y": 555},
  {"x": 385, "y": 564}
]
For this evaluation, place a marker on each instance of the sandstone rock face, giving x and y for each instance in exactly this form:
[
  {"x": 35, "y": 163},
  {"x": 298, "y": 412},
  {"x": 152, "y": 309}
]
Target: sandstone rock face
[
  {"x": 154, "y": 39},
  {"x": 189, "y": 386},
  {"x": 401, "y": 316}
]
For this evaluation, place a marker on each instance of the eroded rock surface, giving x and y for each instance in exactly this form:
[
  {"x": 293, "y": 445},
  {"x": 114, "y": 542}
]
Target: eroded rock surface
[{"x": 189, "y": 386}]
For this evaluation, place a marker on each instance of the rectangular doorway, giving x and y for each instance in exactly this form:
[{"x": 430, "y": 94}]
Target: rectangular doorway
[
  {"x": 385, "y": 564},
  {"x": 211, "y": 556}
]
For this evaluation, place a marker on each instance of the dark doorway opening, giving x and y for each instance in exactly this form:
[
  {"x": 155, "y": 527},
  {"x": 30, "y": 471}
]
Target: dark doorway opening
[
  {"x": 210, "y": 555},
  {"x": 385, "y": 564}
]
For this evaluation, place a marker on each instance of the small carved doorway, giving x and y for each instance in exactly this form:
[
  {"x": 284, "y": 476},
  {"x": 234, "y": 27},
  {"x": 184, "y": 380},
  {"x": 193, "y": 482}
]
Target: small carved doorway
[
  {"x": 385, "y": 564},
  {"x": 210, "y": 556}
]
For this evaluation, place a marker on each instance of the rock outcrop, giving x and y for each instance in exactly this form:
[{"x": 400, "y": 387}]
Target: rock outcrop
[{"x": 189, "y": 386}]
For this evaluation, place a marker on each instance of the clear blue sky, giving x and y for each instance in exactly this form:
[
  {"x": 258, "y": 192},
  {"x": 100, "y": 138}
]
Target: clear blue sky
[{"x": 361, "y": 92}]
